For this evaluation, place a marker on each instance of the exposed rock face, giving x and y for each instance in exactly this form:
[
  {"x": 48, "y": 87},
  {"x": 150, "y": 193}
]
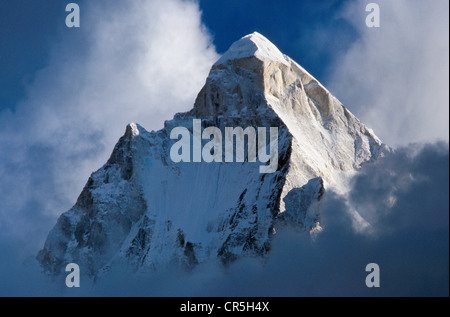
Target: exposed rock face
[{"x": 143, "y": 209}]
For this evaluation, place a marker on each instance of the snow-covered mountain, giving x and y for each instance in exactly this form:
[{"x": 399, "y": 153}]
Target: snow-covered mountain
[{"x": 143, "y": 209}]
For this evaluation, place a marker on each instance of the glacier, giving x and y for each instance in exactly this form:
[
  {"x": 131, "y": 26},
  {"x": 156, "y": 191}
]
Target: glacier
[{"x": 143, "y": 209}]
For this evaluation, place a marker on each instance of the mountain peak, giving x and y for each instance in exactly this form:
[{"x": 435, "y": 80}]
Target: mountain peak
[
  {"x": 144, "y": 209},
  {"x": 253, "y": 44},
  {"x": 132, "y": 130}
]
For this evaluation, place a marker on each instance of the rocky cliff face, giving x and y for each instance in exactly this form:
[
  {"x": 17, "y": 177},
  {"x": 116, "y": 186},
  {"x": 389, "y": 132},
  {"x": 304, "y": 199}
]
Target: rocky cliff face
[{"x": 143, "y": 209}]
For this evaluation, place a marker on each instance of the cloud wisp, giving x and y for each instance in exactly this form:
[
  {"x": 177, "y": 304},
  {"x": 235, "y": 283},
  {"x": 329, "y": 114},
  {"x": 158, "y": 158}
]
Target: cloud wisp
[
  {"x": 395, "y": 77},
  {"x": 134, "y": 61}
]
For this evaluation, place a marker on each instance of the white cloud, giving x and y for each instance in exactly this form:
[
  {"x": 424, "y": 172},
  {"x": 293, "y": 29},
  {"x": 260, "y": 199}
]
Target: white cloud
[
  {"x": 134, "y": 61},
  {"x": 395, "y": 78}
]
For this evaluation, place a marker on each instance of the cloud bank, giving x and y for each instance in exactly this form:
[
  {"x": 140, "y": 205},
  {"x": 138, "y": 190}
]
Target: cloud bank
[
  {"x": 395, "y": 78},
  {"x": 403, "y": 196},
  {"x": 407, "y": 238}
]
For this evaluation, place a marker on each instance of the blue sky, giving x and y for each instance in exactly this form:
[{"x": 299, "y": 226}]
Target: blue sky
[
  {"x": 293, "y": 26},
  {"x": 28, "y": 30},
  {"x": 66, "y": 96}
]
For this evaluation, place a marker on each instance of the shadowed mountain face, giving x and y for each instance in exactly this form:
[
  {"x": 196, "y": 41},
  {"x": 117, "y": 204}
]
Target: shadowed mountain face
[{"x": 143, "y": 209}]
